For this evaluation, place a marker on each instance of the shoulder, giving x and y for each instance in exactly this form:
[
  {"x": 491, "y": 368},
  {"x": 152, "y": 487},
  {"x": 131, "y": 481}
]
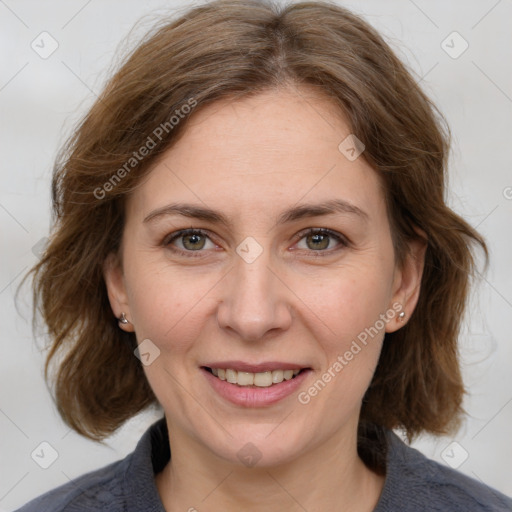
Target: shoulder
[
  {"x": 124, "y": 486},
  {"x": 99, "y": 490},
  {"x": 416, "y": 483}
]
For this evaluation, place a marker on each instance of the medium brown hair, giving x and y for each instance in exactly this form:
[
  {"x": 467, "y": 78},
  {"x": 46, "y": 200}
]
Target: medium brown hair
[{"x": 229, "y": 50}]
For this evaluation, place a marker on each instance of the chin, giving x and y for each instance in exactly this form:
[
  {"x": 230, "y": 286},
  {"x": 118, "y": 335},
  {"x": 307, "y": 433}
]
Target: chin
[{"x": 258, "y": 445}]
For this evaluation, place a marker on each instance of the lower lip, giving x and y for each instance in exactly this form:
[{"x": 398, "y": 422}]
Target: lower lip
[{"x": 255, "y": 397}]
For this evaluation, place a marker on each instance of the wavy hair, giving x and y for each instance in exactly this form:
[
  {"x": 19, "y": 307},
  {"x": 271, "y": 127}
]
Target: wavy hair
[{"x": 229, "y": 49}]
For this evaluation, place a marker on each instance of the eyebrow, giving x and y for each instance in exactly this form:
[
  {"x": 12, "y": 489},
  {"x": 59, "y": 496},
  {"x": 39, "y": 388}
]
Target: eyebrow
[{"x": 292, "y": 214}]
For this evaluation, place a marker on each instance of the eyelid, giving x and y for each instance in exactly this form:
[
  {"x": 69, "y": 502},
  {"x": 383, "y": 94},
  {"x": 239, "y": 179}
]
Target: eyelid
[
  {"x": 182, "y": 232},
  {"x": 343, "y": 240},
  {"x": 301, "y": 234},
  {"x": 166, "y": 242}
]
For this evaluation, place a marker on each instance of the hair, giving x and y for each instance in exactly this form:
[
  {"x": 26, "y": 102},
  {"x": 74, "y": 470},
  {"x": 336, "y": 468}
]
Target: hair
[{"x": 229, "y": 49}]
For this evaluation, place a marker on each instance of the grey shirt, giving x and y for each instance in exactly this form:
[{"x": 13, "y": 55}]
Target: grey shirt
[{"x": 413, "y": 483}]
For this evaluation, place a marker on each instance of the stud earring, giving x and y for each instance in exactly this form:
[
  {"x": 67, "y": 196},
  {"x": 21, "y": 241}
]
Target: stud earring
[
  {"x": 401, "y": 316},
  {"x": 123, "y": 320}
]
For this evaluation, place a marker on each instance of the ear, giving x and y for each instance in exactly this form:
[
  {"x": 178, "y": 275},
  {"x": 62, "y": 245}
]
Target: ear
[
  {"x": 407, "y": 282},
  {"x": 116, "y": 289}
]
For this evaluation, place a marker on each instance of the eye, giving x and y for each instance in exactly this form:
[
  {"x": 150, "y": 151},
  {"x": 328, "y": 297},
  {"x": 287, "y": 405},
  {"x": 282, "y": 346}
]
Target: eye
[
  {"x": 189, "y": 240},
  {"x": 318, "y": 240},
  {"x": 321, "y": 239}
]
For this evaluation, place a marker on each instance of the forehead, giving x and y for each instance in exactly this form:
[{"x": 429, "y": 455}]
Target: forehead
[{"x": 259, "y": 154}]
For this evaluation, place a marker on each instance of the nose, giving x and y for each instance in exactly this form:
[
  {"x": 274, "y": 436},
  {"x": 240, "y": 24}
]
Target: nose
[{"x": 254, "y": 301}]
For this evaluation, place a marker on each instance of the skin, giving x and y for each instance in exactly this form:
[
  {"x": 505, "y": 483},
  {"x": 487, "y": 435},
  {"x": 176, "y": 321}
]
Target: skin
[{"x": 250, "y": 160}]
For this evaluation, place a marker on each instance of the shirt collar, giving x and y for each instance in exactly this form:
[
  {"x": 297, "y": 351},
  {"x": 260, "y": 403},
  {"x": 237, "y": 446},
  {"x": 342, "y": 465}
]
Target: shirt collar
[
  {"x": 153, "y": 453},
  {"x": 150, "y": 457}
]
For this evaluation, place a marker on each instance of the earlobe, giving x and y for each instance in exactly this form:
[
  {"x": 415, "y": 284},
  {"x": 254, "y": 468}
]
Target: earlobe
[
  {"x": 114, "y": 281},
  {"x": 407, "y": 284}
]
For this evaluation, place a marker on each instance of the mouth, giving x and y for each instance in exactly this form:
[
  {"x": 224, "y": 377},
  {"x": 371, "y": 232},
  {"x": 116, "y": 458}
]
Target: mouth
[
  {"x": 262, "y": 379},
  {"x": 255, "y": 386}
]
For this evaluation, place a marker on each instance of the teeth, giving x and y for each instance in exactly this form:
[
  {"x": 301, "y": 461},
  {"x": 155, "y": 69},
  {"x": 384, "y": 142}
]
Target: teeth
[
  {"x": 262, "y": 379},
  {"x": 277, "y": 376},
  {"x": 246, "y": 378},
  {"x": 232, "y": 376}
]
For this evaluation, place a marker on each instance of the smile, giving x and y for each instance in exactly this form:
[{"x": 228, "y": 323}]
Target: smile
[
  {"x": 260, "y": 379},
  {"x": 255, "y": 389}
]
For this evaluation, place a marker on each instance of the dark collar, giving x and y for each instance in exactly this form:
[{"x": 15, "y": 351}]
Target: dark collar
[
  {"x": 149, "y": 458},
  {"x": 153, "y": 453}
]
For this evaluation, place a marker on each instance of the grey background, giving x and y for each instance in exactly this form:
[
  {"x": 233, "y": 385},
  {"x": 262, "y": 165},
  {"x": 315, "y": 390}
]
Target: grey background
[{"x": 40, "y": 99}]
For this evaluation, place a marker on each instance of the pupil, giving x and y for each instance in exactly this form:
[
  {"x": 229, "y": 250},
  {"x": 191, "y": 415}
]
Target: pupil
[
  {"x": 319, "y": 240},
  {"x": 194, "y": 241}
]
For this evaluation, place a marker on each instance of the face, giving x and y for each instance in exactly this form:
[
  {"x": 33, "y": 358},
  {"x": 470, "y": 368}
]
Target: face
[{"x": 255, "y": 245}]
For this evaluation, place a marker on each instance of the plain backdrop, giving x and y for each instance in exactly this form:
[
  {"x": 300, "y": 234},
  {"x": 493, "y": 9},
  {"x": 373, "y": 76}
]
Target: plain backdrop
[{"x": 460, "y": 51}]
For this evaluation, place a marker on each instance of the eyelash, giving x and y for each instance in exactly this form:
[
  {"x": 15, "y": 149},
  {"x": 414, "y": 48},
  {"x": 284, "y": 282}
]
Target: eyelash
[{"x": 343, "y": 242}]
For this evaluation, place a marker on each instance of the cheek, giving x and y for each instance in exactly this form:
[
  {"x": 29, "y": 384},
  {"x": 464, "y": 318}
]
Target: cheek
[
  {"x": 167, "y": 305},
  {"x": 347, "y": 301},
  {"x": 345, "y": 312},
  {"x": 350, "y": 346}
]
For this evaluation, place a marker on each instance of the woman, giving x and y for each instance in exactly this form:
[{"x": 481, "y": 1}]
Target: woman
[{"x": 251, "y": 231}]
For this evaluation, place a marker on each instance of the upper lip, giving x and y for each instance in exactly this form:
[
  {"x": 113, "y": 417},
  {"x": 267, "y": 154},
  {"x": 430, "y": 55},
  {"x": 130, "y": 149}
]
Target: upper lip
[{"x": 255, "y": 368}]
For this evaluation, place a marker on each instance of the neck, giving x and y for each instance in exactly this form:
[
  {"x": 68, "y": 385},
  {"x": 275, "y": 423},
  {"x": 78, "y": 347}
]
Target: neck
[{"x": 326, "y": 478}]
